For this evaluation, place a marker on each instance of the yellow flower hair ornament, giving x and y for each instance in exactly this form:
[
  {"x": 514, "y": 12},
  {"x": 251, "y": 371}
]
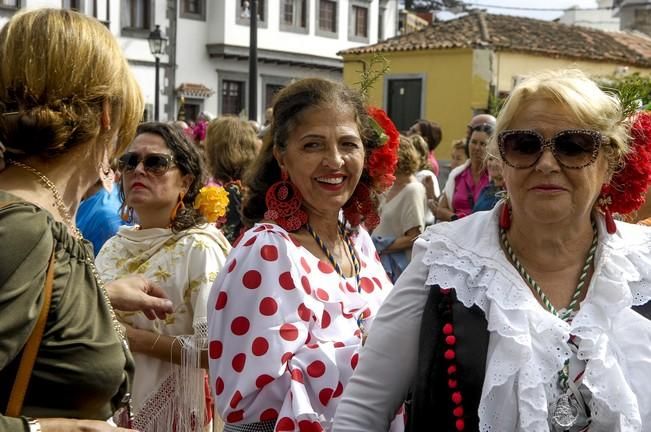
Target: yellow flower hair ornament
[{"x": 212, "y": 202}]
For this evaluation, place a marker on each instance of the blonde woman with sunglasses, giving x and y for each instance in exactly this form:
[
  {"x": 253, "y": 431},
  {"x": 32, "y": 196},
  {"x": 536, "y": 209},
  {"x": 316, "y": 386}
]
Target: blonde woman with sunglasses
[{"x": 534, "y": 316}]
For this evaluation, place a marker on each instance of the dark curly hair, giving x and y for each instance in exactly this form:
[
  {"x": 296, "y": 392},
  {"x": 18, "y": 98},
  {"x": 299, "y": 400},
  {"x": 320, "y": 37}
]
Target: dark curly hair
[
  {"x": 288, "y": 107},
  {"x": 189, "y": 161},
  {"x": 431, "y": 131}
]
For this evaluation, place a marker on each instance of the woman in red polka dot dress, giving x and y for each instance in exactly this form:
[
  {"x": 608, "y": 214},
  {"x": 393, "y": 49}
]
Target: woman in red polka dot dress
[{"x": 301, "y": 288}]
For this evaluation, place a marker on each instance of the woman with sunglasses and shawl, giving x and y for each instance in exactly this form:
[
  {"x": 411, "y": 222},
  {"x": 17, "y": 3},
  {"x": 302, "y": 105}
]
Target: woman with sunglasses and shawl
[
  {"x": 161, "y": 184},
  {"x": 533, "y": 316}
]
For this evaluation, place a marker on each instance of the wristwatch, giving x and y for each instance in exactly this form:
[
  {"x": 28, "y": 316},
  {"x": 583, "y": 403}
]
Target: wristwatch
[{"x": 33, "y": 424}]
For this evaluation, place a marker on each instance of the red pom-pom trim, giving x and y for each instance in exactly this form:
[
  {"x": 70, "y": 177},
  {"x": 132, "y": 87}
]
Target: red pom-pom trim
[
  {"x": 458, "y": 411},
  {"x": 452, "y": 369},
  {"x": 449, "y": 354},
  {"x": 460, "y": 425},
  {"x": 450, "y": 340},
  {"x": 457, "y": 398},
  {"x": 448, "y": 329}
]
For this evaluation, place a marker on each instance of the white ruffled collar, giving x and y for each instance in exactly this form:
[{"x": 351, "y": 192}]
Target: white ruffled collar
[{"x": 528, "y": 345}]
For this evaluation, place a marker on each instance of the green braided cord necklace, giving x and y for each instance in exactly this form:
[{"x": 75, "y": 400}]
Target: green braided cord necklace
[
  {"x": 340, "y": 272},
  {"x": 331, "y": 258},
  {"x": 533, "y": 284},
  {"x": 564, "y": 373}
]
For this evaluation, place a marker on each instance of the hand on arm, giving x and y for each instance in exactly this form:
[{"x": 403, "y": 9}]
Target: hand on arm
[
  {"x": 443, "y": 210},
  {"x": 136, "y": 293},
  {"x": 404, "y": 242},
  {"x": 428, "y": 182}
]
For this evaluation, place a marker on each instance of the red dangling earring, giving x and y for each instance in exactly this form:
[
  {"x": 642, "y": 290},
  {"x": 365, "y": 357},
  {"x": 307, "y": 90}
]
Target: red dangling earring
[
  {"x": 127, "y": 214},
  {"x": 284, "y": 205},
  {"x": 179, "y": 205},
  {"x": 505, "y": 216},
  {"x": 604, "y": 202}
]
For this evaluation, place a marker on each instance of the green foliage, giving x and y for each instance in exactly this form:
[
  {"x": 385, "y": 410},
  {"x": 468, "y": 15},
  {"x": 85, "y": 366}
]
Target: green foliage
[
  {"x": 633, "y": 90},
  {"x": 375, "y": 69},
  {"x": 495, "y": 103}
]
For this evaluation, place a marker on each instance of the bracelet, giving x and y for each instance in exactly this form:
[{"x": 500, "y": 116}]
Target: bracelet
[
  {"x": 33, "y": 424},
  {"x": 155, "y": 342}
]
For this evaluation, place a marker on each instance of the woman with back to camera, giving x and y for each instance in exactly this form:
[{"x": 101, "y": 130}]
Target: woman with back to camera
[
  {"x": 67, "y": 99},
  {"x": 402, "y": 213},
  {"x": 301, "y": 288},
  {"x": 173, "y": 245},
  {"x": 231, "y": 146},
  {"x": 465, "y": 182},
  {"x": 534, "y": 316},
  {"x": 426, "y": 177},
  {"x": 431, "y": 133}
]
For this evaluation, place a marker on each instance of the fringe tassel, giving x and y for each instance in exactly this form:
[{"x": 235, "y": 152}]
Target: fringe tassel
[{"x": 180, "y": 403}]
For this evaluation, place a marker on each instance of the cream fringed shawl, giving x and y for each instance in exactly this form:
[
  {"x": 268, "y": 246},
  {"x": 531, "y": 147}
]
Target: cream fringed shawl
[{"x": 185, "y": 265}]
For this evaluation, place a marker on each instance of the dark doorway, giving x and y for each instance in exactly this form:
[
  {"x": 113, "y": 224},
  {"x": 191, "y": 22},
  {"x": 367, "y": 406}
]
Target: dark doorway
[
  {"x": 404, "y": 101},
  {"x": 270, "y": 91},
  {"x": 232, "y": 97}
]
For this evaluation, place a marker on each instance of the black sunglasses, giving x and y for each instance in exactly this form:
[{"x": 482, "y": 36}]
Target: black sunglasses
[
  {"x": 154, "y": 163},
  {"x": 572, "y": 148}
]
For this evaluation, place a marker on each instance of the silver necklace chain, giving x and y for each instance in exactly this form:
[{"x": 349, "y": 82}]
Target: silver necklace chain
[{"x": 67, "y": 217}]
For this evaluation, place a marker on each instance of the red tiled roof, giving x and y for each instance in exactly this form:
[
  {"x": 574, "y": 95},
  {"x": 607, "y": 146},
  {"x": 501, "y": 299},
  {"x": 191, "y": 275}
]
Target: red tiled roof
[
  {"x": 194, "y": 90},
  {"x": 520, "y": 34}
]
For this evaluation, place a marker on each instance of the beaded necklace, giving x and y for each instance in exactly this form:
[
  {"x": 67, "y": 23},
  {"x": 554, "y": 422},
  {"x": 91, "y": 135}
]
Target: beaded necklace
[
  {"x": 335, "y": 264},
  {"x": 67, "y": 217},
  {"x": 565, "y": 409}
]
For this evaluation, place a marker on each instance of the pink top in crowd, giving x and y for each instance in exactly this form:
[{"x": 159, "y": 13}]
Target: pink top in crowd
[{"x": 466, "y": 192}]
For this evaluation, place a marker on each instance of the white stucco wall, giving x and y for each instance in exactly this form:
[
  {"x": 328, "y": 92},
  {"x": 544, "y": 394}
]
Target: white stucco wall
[
  {"x": 272, "y": 38},
  {"x": 193, "y": 65},
  {"x": 599, "y": 19}
]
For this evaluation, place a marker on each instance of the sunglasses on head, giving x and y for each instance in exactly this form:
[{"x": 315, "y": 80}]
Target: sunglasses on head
[
  {"x": 154, "y": 163},
  {"x": 572, "y": 148}
]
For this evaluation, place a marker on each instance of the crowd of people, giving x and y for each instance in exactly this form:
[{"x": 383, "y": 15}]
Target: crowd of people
[{"x": 237, "y": 278}]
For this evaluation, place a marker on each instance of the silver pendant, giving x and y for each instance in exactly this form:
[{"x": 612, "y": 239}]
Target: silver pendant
[{"x": 564, "y": 412}]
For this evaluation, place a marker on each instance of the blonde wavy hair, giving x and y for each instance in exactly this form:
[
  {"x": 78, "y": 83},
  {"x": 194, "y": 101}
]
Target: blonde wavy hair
[
  {"x": 231, "y": 146},
  {"x": 59, "y": 71},
  {"x": 591, "y": 107}
]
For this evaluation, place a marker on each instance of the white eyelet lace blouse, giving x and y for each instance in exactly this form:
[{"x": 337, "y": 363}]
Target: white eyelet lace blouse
[{"x": 527, "y": 344}]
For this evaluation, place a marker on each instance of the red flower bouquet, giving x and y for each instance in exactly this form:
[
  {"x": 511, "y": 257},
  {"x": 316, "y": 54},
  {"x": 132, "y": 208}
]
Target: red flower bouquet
[
  {"x": 626, "y": 190},
  {"x": 381, "y": 165}
]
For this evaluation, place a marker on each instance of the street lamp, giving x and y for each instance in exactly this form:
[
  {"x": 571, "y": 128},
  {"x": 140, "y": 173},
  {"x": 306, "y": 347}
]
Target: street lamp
[{"x": 157, "y": 47}]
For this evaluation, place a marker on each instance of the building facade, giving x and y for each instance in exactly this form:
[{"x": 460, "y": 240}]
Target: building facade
[
  {"x": 634, "y": 15},
  {"x": 206, "y": 67},
  {"x": 452, "y": 70},
  {"x": 601, "y": 18}
]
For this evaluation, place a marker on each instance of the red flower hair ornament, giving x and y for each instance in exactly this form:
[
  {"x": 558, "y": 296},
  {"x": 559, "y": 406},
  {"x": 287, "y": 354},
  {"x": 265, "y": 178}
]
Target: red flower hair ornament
[
  {"x": 626, "y": 191},
  {"x": 381, "y": 165}
]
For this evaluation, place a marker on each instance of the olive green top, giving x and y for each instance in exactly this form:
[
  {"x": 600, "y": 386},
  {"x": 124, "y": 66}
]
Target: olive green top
[{"x": 82, "y": 369}]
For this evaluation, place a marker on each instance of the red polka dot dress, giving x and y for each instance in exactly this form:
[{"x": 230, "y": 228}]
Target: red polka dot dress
[{"x": 283, "y": 332}]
